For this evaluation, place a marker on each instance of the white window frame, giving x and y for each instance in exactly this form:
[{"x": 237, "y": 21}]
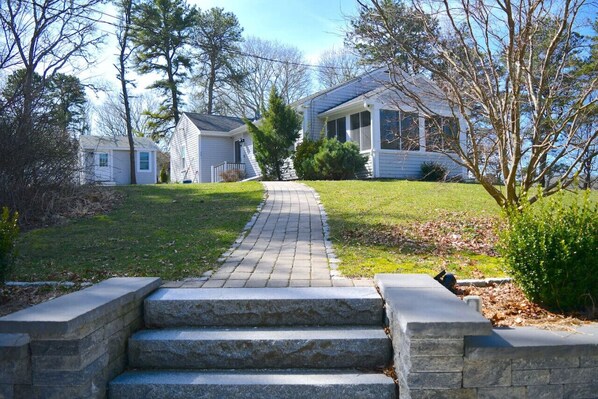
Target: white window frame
[
  {"x": 149, "y": 161},
  {"x": 100, "y": 156},
  {"x": 183, "y": 157}
]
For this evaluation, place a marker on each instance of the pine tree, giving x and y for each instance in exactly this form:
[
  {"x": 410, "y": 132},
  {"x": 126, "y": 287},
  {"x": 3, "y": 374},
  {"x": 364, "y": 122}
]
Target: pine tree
[{"x": 274, "y": 136}]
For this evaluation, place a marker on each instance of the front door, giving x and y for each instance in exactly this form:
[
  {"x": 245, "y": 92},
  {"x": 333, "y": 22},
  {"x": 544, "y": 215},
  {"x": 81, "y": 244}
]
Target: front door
[
  {"x": 238, "y": 151},
  {"x": 102, "y": 166}
]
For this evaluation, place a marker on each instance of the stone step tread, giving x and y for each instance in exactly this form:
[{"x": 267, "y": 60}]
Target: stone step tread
[
  {"x": 266, "y": 294},
  {"x": 180, "y": 307},
  {"x": 251, "y": 384},
  {"x": 250, "y": 348},
  {"x": 262, "y": 334}
]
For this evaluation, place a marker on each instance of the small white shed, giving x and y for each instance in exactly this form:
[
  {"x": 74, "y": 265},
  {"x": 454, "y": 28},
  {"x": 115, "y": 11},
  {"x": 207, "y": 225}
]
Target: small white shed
[{"x": 105, "y": 160}]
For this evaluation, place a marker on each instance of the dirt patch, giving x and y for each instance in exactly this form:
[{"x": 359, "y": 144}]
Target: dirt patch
[
  {"x": 505, "y": 305},
  {"x": 452, "y": 231},
  {"x": 13, "y": 299}
]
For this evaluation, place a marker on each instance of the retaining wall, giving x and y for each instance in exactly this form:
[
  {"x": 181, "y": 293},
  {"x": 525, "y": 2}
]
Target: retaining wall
[
  {"x": 70, "y": 347},
  {"x": 445, "y": 349}
]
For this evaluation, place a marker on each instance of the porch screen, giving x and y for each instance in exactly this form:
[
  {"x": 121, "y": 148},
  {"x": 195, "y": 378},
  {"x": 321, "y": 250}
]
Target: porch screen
[
  {"x": 399, "y": 130},
  {"x": 360, "y": 130},
  {"x": 337, "y": 128}
]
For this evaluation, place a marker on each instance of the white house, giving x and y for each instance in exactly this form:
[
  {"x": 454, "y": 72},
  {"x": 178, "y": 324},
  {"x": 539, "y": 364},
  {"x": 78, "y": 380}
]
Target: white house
[
  {"x": 106, "y": 160},
  {"x": 388, "y": 127}
]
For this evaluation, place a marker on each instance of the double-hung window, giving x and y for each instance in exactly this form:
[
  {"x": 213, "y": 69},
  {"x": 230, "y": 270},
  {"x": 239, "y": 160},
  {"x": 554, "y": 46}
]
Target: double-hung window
[{"x": 144, "y": 161}]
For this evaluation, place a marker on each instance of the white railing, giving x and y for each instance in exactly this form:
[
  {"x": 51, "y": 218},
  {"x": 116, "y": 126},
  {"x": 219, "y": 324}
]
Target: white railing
[{"x": 218, "y": 170}]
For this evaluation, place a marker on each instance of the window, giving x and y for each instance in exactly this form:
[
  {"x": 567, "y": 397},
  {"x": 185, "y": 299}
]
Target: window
[
  {"x": 103, "y": 160},
  {"x": 144, "y": 161},
  {"x": 183, "y": 157},
  {"x": 337, "y": 128},
  {"x": 399, "y": 130},
  {"x": 360, "y": 129},
  {"x": 441, "y": 133}
]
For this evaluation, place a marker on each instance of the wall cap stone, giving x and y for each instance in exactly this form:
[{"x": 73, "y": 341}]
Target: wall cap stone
[
  {"x": 422, "y": 307},
  {"x": 64, "y": 316},
  {"x": 524, "y": 342}
]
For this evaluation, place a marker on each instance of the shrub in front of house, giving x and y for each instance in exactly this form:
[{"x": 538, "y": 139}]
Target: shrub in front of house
[
  {"x": 338, "y": 161},
  {"x": 9, "y": 230},
  {"x": 163, "y": 175},
  {"x": 550, "y": 249},
  {"x": 433, "y": 171},
  {"x": 232, "y": 175},
  {"x": 303, "y": 159}
]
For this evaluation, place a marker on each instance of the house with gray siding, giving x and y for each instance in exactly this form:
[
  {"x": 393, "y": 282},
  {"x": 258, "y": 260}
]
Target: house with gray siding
[
  {"x": 204, "y": 146},
  {"x": 105, "y": 160},
  {"x": 396, "y": 132}
]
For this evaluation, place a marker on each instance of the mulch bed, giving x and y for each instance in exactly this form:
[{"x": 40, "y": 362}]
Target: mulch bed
[{"x": 505, "y": 305}]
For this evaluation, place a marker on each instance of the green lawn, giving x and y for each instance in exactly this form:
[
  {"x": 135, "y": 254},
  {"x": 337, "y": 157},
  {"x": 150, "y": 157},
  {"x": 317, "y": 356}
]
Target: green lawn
[
  {"x": 390, "y": 226},
  {"x": 170, "y": 231}
]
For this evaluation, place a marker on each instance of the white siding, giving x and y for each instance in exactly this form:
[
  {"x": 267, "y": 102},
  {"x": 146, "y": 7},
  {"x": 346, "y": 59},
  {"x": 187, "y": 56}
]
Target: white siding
[
  {"x": 186, "y": 133},
  {"x": 368, "y": 173},
  {"x": 336, "y": 97},
  {"x": 213, "y": 151},
  {"x": 150, "y": 176},
  {"x": 252, "y": 169},
  {"x": 120, "y": 165},
  {"x": 407, "y": 164}
]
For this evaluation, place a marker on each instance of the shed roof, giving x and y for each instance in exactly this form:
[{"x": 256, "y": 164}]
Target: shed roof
[
  {"x": 94, "y": 142},
  {"x": 214, "y": 123}
]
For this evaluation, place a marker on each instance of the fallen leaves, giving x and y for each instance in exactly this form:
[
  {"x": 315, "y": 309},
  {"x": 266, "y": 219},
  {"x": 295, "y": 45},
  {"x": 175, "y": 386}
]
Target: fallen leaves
[
  {"x": 449, "y": 232},
  {"x": 505, "y": 305}
]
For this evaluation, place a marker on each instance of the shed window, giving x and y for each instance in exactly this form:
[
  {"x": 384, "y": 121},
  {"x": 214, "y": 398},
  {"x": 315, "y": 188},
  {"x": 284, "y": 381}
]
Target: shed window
[
  {"x": 337, "y": 128},
  {"x": 399, "y": 130},
  {"x": 144, "y": 161},
  {"x": 183, "y": 157},
  {"x": 441, "y": 133},
  {"x": 360, "y": 129},
  {"x": 103, "y": 160}
]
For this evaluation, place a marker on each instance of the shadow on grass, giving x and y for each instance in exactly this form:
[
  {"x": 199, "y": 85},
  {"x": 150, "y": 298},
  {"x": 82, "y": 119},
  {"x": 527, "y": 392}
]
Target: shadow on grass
[{"x": 171, "y": 231}]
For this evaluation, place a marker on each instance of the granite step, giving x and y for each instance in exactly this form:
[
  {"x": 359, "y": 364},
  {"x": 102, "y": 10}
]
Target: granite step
[
  {"x": 176, "y": 307},
  {"x": 257, "y": 348},
  {"x": 279, "y": 384}
]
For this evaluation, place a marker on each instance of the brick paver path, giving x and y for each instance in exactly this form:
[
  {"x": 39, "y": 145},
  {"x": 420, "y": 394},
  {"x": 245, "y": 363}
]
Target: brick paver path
[{"x": 286, "y": 246}]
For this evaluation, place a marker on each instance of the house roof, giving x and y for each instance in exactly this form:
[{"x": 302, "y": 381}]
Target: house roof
[
  {"x": 214, "y": 123},
  {"x": 303, "y": 100},
  {"x": 94, "y": 142}
]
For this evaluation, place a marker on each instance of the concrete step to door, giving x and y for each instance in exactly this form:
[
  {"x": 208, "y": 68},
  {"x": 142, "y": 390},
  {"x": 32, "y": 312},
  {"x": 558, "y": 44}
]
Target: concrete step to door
[
  {"x": 280, "y": 384},
  {"x": 176, "y": 307},
  {"x": 257, "y": 348}
]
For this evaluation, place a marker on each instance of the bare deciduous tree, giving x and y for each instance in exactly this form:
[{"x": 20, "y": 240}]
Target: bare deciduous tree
[
  {"x": 510, "y": 78},
  {"x": 337, "y": 66},
  {"x": 110, "y": 115},
  {"x": 264, "y": 65},
  {"x": 41, "y": 38}
]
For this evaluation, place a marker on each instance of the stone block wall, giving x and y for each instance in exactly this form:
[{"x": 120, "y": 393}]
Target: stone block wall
[
  {"x": 532, "y": 363},
  {"x": 444, "y": 349},
  {"x": 72, "y": 346}
]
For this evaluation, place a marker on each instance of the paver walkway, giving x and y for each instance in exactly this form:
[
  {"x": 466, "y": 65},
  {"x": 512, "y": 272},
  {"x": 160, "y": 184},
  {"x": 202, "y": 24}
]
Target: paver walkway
[{"x": 286, "y": 246}]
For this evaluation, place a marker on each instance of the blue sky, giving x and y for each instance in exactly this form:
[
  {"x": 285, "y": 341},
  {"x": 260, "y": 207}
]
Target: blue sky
[{"x": 310, "y": 25}]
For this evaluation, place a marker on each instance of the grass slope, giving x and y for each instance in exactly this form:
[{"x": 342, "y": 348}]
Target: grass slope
[
  {"x": 360, "y": 213},
  {"x": 170, "y": 231}
]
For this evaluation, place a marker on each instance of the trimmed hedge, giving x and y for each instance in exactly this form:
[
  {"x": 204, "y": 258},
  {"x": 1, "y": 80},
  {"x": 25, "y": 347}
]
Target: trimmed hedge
[
  {"x": 328, "y": 159},
  {"x": 550, "y": 249}
]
